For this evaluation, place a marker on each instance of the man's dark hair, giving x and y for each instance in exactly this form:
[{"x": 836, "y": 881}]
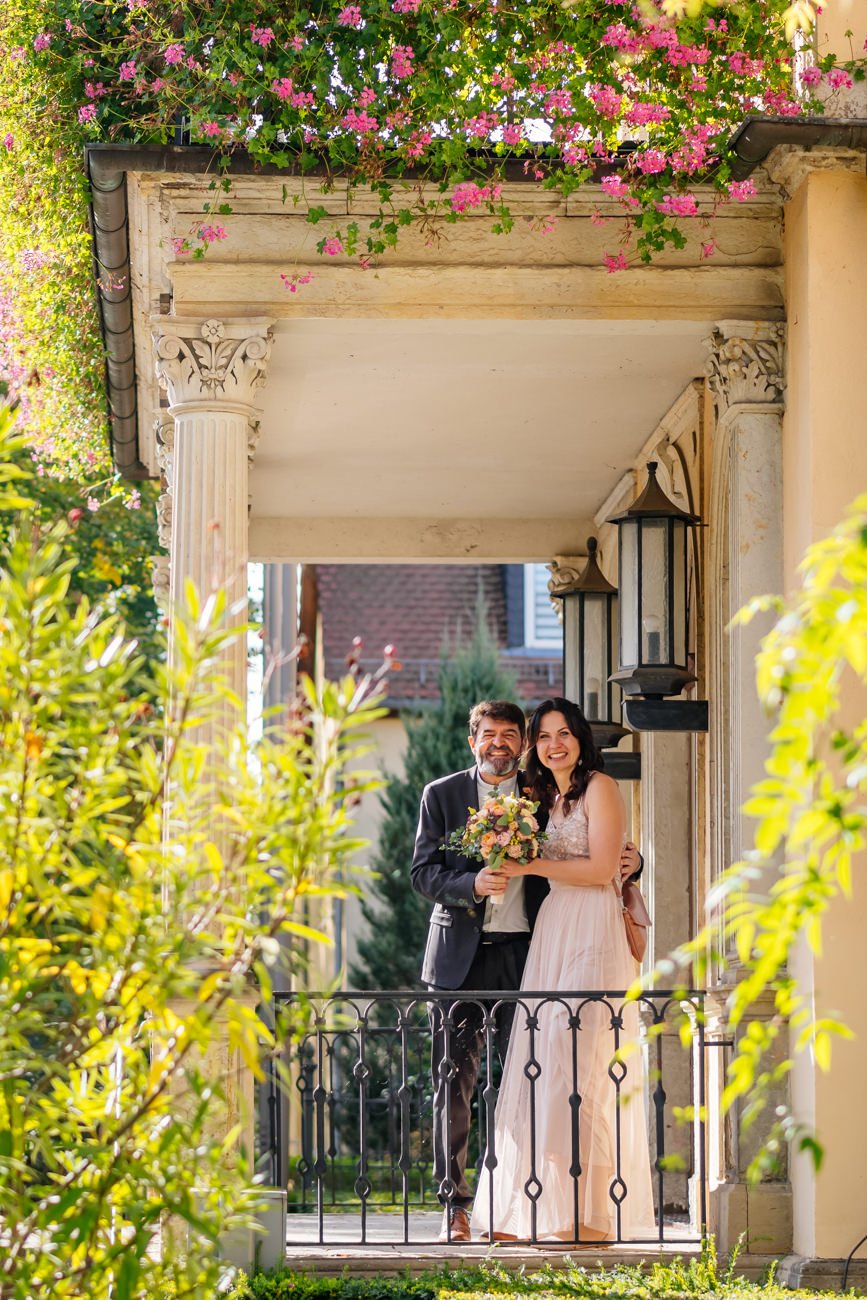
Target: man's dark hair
[{"x": 499, "y": 711}]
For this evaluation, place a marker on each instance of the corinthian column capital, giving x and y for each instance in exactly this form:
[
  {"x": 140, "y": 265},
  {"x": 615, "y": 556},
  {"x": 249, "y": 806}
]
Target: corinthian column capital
[
  {"x": 747, "y": 364},
  {"x": 212, "y": 364}
]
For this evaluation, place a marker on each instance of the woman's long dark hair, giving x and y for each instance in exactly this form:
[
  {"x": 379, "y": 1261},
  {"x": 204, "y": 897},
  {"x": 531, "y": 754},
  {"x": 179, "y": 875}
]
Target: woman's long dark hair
[{"x": 541, "y": 779}]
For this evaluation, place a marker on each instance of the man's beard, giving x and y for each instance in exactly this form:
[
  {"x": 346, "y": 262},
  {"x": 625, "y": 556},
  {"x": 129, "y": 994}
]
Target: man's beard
[{"x": 498, "y": 765}]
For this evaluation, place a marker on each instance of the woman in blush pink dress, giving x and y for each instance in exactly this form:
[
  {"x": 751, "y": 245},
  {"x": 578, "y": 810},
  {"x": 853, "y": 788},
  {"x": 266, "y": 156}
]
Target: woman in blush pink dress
[{"x": 529, "y": 1185}]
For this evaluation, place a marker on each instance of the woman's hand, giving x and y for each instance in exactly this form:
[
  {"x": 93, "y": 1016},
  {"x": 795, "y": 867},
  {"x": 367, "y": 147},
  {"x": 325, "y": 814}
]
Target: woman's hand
[{"x": 510, "y": 869}]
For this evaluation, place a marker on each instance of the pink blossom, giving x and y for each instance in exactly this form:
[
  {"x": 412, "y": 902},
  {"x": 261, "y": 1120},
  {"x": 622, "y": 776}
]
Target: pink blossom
[
  {"x": 480, "y": 127},
  {"x": 418, "y": 142},
  {"x": 742, "y": 190},
  {"x": 297, "y": 43},
  {"x": 811, "y": 76},
  {"x": 619, "y": 35},
  {"x": 292, "y": 281},
  {"x": 174, "y": 54},
  {"x": 605, "y": 100},
  {"x": 615, "y": 186},
  {"x": 9, "y": 140},
  {"x": 401, "y": 61},
  {"x": 180, "y": 246},
  {"x": 212, "y": 129},
  {"x": 677, "y": 205},
  {"x": 133, "y": 501},
  {"x": 708, "y": 249},
  {"x": 360, "y": 122},
  {"x": 42, "y": 41},
  {"x": 282, "y": 88},
  {"x": 467, "y": 194},
  {"x": 211, "y": 234},
  {"x": 838, "y": 78},
  {"x": 744, "y": 67},
  {"x": 94, "y": 91},
  {"x": 406, "y": 6},
  {"x": 650, "y": 161},
  {"x": 642, "y": 114},
  {"x": 90, "y": 457},
  {"x": 68, "y": 24},
  {"x": 512, "y": 134},
  {"x": 596, "y": 218},
  {"x": 367, "y": 96},
  {"x": 87, "y": 113},
  {"x": 618, "y": 263},
  {"x": 660, "y": 38},
  {"x": 332, "y": 246},
  {"x": 127, "y": 71},
  {"x": 136, "y": 4},
  {"x": 350, "y": 16},
  {"x": 261, "y": 35},
  {"x": 559, "y": 101},
  {"x": 92, "y": 504},
  {"x": 504, "y": 80}
]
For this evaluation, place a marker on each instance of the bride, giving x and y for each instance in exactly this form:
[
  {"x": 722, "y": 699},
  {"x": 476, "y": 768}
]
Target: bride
[{"x": 527, "y": 1187}]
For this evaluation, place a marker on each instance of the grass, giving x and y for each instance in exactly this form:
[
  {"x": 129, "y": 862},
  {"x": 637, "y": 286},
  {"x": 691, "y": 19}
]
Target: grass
[{"x": 678, "y": 1280}]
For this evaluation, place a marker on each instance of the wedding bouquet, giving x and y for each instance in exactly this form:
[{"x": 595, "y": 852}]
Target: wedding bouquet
[{"x": 503, "y": 829}]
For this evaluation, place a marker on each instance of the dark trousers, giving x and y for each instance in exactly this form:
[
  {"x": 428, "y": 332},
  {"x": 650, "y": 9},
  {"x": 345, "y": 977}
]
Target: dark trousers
[{"x": 457, "y": 1041}]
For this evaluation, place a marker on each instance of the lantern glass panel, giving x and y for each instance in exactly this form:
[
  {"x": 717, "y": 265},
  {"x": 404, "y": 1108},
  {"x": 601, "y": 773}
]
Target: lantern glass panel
[
  {"x": 655, "y": 630},
  {"x": 678, "y": 560},
  {"x": 615, "y": 695},
  {"x": 571, "y": 648},
  {"x": 596, "y": 670},
  {"x": 628, "y": 586}
]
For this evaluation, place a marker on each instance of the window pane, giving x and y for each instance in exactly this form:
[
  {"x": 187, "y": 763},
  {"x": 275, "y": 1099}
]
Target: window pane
[{"x": 654, "y": 594}]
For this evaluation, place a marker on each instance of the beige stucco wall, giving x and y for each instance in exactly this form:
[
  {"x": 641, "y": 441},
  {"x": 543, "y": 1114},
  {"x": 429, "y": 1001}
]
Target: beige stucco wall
[
  {"x": 388, "y": 740},
  {"x": 825, "y": 466}
]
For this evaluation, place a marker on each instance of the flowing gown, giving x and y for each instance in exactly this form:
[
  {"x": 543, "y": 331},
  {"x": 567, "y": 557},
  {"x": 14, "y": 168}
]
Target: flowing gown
[{"x": 579, "y": 944}]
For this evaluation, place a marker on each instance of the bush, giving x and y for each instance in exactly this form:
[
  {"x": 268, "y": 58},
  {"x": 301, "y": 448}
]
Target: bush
[{"x": 127, "y": 964}]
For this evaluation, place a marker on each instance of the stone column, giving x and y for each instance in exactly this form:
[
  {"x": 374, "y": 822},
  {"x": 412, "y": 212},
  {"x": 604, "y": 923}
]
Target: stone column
[
  {"x": 211, "y": 370},
  {"x": 746, "y": 376},
  {"x": 825, "y": 467}
]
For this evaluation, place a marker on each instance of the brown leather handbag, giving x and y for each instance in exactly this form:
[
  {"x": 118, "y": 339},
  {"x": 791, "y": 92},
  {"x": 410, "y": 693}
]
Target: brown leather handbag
[{"x": 636, "y": 918}]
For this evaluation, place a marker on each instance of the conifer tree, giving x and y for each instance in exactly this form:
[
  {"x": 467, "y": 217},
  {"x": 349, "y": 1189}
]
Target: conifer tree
[{"x": 390, "y": 955}]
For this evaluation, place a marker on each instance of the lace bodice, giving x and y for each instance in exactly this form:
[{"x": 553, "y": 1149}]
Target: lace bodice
[{"x": 568, "y": 837}]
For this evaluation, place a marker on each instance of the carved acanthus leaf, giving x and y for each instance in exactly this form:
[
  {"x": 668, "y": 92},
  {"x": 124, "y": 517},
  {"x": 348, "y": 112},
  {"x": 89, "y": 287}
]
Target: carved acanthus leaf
[
  {"x": 212, "y": 361},
  {"x": 747, "y": 369}
]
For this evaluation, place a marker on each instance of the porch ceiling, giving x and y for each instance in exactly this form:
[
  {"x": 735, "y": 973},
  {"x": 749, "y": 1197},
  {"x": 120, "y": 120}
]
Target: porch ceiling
[
  {"x": 458, "y": 425},
  {"x": 469, "y": 397}
]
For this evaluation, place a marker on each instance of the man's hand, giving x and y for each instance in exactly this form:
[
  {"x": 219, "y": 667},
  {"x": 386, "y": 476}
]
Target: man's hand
[
  {"x": 489, "y": 882},
  {"x": 630, "y": 860}
]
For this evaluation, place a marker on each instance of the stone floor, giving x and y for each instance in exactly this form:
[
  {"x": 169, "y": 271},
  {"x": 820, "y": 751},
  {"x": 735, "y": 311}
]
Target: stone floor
[{"x": 394, "y": 1244}]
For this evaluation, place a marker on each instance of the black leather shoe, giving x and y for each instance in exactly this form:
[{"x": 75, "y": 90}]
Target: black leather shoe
[{"x": 456, "y": 1225}]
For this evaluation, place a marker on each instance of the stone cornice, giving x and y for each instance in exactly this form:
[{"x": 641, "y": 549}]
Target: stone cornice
[
  {"x": 789, "y": 165},
  {"x": 212, "y": 364},
  {"x": 747, "y": 364}
]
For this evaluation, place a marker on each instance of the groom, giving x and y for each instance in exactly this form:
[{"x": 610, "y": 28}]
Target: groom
[{"x": 472, "y": 945}]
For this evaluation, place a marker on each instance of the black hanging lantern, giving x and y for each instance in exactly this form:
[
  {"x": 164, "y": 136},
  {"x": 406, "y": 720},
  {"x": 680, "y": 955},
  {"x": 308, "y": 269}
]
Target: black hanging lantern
[
  {"x": 653, "y": 613},
  {"x": 589, "y": 632}
]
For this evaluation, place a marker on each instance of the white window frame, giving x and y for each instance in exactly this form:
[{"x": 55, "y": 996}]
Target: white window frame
[{"x": 533, "y": 639}]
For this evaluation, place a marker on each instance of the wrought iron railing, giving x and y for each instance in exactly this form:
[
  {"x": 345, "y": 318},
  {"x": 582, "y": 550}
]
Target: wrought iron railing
[{"x": 349, "y": 1131}]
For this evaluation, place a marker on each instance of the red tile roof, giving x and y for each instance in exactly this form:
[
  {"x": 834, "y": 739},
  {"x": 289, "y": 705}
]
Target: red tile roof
[{"x": 418, "y": 608}]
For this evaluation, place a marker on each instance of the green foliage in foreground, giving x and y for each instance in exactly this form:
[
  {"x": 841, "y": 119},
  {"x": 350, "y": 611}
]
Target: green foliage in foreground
[
  {"x": 811, "y": 821},
  {"x": 680, "y": 1278},
  {"x": 129, "y": 966}
]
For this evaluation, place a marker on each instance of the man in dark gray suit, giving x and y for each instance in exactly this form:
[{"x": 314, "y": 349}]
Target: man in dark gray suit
[{"x": 472, "y": 945}]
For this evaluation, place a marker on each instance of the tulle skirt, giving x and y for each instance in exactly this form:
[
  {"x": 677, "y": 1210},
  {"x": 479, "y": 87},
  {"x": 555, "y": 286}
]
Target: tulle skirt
[{"x": 569, "y": 1101}]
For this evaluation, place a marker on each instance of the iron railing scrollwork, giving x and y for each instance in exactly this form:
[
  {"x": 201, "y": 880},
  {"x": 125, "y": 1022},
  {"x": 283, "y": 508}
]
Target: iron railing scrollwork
[{"x": 356, "y": 1104}]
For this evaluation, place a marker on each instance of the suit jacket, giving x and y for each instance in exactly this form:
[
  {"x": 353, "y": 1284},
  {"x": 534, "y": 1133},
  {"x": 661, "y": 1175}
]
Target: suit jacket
[{"x": 447, "y": 879}]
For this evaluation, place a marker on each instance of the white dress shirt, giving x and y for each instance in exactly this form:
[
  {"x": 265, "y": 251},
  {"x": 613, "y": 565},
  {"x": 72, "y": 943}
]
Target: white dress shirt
[{"x": 509, "y": 916}]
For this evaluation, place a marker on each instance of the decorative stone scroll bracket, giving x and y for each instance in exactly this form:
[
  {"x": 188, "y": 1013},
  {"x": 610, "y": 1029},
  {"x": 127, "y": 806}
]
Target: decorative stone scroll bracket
[
  {"x": 218, "y": 363},
  {"x": 747, "y": 364}
]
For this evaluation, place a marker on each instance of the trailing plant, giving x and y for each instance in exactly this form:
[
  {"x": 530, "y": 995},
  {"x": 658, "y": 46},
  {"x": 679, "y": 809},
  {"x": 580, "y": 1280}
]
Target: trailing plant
[
  {"x": 127, "y": 966},
  {"x": 811, "y": 821},
  {"x": 429, "y": 105}
]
